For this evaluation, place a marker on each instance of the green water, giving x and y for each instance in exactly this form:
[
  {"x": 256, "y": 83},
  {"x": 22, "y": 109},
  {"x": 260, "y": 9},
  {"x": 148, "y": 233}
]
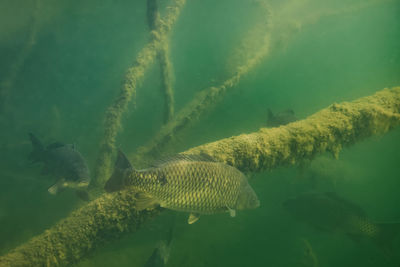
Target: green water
[{"x": 76, "y": 66}]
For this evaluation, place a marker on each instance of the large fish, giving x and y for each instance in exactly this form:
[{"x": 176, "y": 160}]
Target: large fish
[
  {"x": 64, "y": 163},
  {"x": 194, "y": 184},
  {"x": 329, "y": 212}
]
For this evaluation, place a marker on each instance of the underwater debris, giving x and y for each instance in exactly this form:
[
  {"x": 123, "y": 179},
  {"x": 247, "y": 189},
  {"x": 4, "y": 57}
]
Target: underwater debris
[
  {"x": 282, "y": 24},
  {"x": 166, "y": 82},
  {"x": 153, "y": 18},
  {"x": 203, "y": 101},
  {"x": 64, "y": 163},
  {"x": 112, "y": 121},
  {"x": 198, "y": 185},
  {"x": 112, "y": 215}
]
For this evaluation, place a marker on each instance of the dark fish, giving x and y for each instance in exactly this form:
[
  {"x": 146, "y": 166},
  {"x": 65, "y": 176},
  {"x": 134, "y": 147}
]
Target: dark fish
[
  {"x": 64, "y": 163},
  {"x": 329, "y": 212},
  {"x": 281, "y": 118},
  {"x": 160, "y": 255},
  {"x": 194, "y": 184}
]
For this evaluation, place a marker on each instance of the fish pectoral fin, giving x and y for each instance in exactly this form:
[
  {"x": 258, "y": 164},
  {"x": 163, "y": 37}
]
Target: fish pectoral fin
[
  {"x": 57, "y": 187},
  {"x": 232, "y": 212},
  {"x": 193, "y": 217},
  {"x": 145, "y": 201}
]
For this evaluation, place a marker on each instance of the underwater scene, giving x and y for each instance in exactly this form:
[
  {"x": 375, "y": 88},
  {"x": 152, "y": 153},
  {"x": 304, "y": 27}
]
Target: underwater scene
[{"x": 200, "y": 133}]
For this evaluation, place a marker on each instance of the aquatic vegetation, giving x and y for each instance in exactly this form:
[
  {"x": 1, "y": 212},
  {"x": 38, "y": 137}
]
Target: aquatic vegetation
[{"x": 329, "y": 130}]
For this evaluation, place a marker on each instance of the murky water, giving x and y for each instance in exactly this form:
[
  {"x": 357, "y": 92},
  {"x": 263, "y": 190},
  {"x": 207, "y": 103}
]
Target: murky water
[{"x": 63, "y": 64}]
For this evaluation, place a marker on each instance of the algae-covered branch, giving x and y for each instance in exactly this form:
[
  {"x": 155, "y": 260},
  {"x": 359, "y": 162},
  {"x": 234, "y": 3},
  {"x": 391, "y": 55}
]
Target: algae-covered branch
[
  {"x": 112, "y": 215},
  {"x": 133, "y": 76}
]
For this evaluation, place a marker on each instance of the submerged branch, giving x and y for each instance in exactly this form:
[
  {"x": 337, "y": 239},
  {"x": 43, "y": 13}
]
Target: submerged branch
[
  {"x": 163, "y": 56},
  {"x": 280, "y": 23},
  {"x": 133, "y": 76},
  {"x": 203, "y": 101},
  {"x": 112, "y": 215}
]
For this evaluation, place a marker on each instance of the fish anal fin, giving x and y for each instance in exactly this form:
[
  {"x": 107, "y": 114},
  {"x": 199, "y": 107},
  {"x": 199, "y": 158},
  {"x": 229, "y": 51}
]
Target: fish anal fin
[
  {"x": 193, "y": 217},
  {"x": 145, "y": 201},
  {"x": 232, "y": 212}
]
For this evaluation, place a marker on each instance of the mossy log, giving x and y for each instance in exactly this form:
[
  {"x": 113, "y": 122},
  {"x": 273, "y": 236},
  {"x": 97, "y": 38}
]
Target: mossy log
[
  {"x": 111, "y": 215},
  {"x": 153, "y": 19},
  {"x": 326, "y": 131}
]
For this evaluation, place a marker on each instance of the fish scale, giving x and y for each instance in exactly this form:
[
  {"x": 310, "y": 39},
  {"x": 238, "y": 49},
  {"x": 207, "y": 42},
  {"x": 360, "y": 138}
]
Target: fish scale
[
  {"x": 190, "y": 184},
  {"x": 201, "y": 190}
]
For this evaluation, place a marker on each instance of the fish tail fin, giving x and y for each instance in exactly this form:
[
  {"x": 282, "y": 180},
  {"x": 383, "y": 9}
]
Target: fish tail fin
[
  {"x": 388, "y": 232},
  {"x": 116, "y": 181},
  {"x": 38, "y": 149}
]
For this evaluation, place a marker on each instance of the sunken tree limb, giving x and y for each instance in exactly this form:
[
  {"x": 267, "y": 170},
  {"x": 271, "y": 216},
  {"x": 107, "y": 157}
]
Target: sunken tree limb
[
  {"x": 112, "y": 215},
  {"x": 113, "y": 117}
]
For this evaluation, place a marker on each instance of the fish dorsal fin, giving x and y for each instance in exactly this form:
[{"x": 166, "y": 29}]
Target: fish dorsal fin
[
  {"x": 144, "y": 201},
  {"x": 122, "y": 161},
  {"x": 193, "y": 217},
  {"x": 116, "y": 181},
  {"x": 55, "y": 145},
  {"x": 183, "y": 157}
]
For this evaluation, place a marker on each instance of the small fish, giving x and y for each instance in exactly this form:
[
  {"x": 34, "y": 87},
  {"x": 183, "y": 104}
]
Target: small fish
[
  {"x": 195, "y": 184},
  {"x": 160, "y": 255},
  {"x": 281, "y": 118},
  {"x": 331, "y": 213},
  {"x": 64, "y": 163}
]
